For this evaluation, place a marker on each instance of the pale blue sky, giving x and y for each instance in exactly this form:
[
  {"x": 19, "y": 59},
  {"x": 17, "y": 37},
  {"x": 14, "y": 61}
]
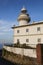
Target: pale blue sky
[{"x": 9, "y": 11}]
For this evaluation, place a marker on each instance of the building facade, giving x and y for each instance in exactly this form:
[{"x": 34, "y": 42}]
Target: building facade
[{"x": 26, "y": 32}]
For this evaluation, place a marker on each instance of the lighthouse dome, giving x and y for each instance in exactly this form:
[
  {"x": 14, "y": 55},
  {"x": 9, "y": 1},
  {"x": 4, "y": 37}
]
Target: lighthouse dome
[
  {"x": 23, "y": 10},
  {"x": 24, "y": 16}
]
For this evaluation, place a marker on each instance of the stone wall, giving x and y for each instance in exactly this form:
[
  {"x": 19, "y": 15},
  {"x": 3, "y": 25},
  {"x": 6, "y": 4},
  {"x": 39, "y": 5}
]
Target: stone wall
[
  {"x": 22, "y": 51},
  {"x": 19, "y": 59}
]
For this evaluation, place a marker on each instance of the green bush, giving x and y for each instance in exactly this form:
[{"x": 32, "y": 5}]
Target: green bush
[{"x": 24, "y": 45}]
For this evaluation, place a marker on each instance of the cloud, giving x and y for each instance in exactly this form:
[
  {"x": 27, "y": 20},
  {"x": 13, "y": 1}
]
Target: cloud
[
  {"x": 6, "y": 33},
  {"x": 7, "y": 30},
  {"x": 1, "y": 22},
  {"x": 1, "y": 33},
  {"x": 5, "y": 26}
]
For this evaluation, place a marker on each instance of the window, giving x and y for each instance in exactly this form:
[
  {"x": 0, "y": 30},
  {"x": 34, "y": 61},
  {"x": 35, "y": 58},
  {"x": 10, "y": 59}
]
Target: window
[
  {"x": 17, "y": 31},
  {"x": 27, "y": 30},
  {"x": 39, "y": 40},
  {"x": 38, "y": 29},
  {"x": 27, "y": 40}
]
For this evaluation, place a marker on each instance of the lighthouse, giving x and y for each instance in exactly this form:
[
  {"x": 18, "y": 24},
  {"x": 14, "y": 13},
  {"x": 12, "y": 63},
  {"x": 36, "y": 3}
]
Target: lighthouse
[
  {"x": 23, "y": 18},
  {"x": 28, "y": 35}
]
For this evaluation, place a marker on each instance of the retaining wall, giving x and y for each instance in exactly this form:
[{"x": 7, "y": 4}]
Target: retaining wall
[{"x": 22, "y": 51}]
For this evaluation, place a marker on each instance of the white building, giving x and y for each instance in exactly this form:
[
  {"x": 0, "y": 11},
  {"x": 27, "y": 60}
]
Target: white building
[{"x": 26, "y": 32}]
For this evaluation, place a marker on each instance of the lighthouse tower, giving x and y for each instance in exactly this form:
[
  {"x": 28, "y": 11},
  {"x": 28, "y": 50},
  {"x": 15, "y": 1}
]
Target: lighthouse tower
[{"x": 23, "y": 18}]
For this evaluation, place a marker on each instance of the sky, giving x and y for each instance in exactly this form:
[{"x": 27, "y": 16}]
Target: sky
[{"x": 9, "y": 12}]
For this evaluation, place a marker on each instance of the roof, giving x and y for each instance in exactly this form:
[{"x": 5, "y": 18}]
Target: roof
[
  {"x": 31, "y": 24},
  {"x": 23, "y": 8},
  {"x": 24, "y": 15}
]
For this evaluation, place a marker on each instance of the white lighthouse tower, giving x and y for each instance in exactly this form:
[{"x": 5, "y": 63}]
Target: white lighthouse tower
[
  {"x": 27, "y": 35},
  {"x": 23, "y": 17}
]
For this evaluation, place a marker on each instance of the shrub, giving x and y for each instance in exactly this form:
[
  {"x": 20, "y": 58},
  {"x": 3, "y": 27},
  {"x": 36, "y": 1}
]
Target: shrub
[{"x": 24, "y": 45}]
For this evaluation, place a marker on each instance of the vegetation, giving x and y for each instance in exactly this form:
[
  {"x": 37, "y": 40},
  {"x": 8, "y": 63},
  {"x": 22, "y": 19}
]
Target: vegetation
[{"x": 18, "y": 45}]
